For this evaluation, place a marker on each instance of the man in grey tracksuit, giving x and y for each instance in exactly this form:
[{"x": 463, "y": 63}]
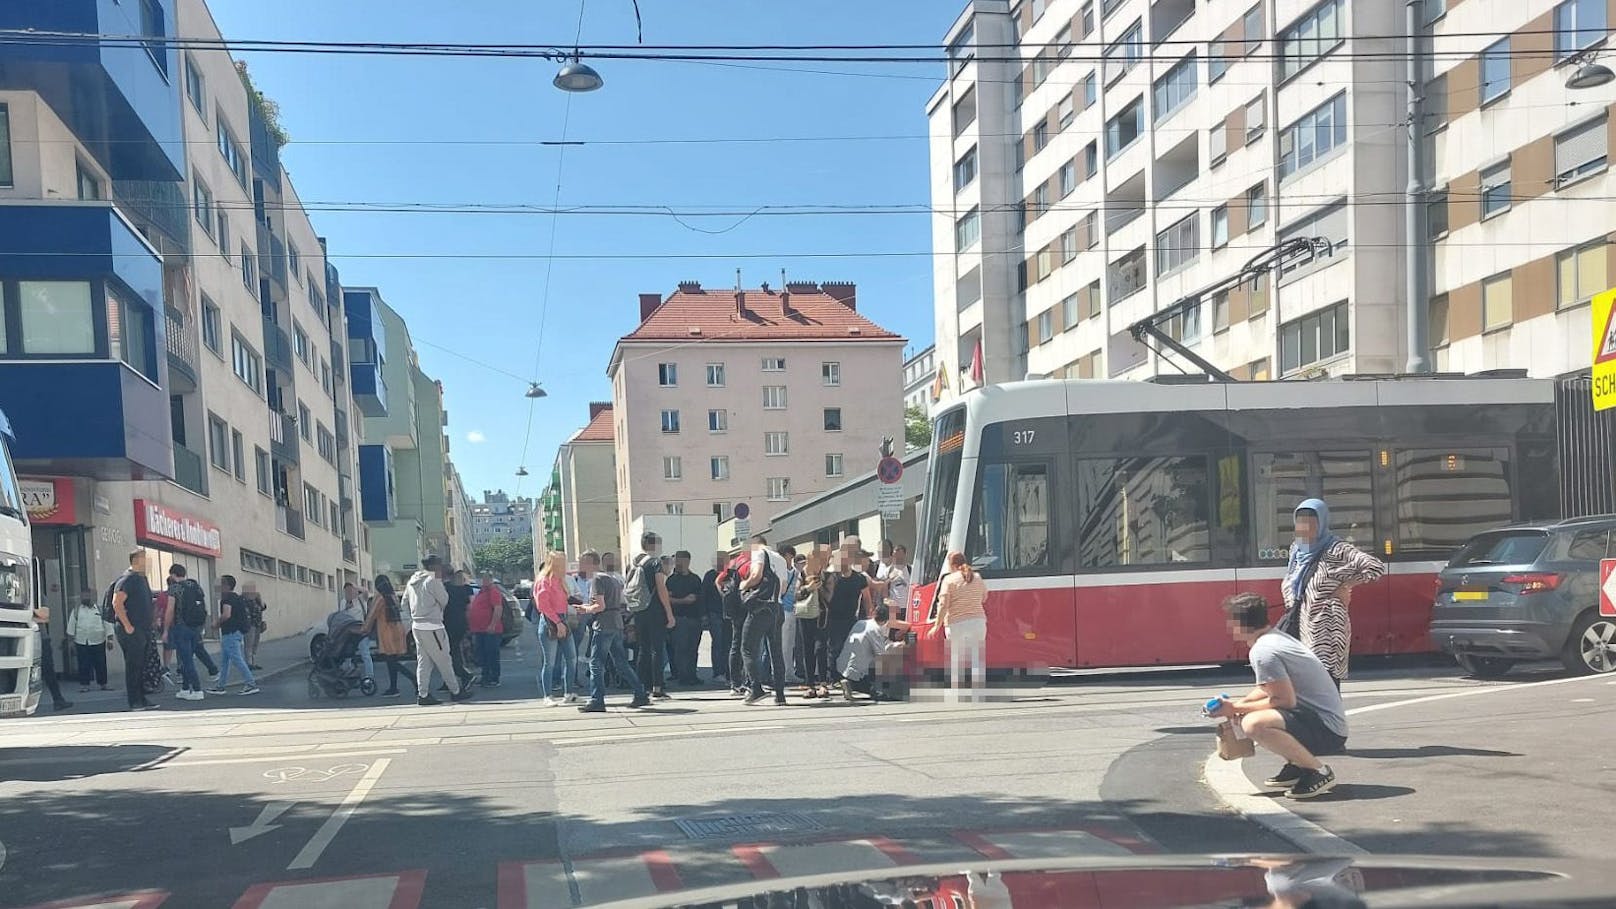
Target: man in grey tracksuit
[{"x": 425, "y": 596}]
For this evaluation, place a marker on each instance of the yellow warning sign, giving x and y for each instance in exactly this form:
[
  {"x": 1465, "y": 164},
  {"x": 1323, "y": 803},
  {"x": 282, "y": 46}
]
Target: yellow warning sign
[{"x": 1604, "y": 325}]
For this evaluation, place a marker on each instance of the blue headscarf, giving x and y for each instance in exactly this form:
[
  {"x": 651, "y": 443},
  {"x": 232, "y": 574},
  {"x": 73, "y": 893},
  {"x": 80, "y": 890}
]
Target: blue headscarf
[{"x": 1303, "y": 555}]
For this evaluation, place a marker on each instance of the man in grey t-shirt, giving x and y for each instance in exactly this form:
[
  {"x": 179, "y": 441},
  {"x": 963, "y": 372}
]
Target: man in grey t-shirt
[
  {"x": 1295, "y": 711},
  {"x": 606, "y": 643}
]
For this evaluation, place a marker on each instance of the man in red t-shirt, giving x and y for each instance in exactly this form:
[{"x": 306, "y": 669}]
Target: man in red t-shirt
[{"x": 486, "y": 616}]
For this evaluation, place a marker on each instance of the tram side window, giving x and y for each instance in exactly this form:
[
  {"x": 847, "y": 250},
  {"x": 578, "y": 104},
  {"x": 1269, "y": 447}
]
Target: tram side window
[
  {"x": 1010, "y": 527},
  {"x": 1281, "y": 480},
  {"x": 1446, "y": 496},
  {"x": 1143, "y": 511},
  {"x": 947, "y": 460}
]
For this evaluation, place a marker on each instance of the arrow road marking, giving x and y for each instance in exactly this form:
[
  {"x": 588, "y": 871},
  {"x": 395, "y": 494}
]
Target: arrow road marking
[
  {"x": 328, "y": 831},
  {"x": 262, "y": 825}
]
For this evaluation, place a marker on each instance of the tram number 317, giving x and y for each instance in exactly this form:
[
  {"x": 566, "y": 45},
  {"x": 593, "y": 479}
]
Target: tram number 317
[{"x": 1022, "y": 436}]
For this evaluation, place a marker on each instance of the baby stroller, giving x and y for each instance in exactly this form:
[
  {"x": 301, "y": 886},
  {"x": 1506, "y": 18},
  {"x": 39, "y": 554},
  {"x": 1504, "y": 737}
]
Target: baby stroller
[{"x": 338, "y": 669}]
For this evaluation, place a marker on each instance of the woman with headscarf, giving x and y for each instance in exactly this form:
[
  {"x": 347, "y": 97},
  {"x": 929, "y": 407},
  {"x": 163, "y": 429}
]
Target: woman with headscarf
[{"x": 1318, "y": 586}]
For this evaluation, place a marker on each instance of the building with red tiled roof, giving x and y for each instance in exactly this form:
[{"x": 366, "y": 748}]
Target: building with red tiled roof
[
  {"x": 585, "y": 480},
  {"x": 762, "y": 396}
]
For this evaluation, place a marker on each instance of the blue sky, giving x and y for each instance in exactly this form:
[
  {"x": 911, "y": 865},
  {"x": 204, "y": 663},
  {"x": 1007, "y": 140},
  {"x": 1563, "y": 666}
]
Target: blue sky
[{"x": 346, "y": 115}]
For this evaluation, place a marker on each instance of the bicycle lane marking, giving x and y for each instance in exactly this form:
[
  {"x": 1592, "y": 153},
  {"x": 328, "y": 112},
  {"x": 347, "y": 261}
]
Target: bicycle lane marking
[
  {"x": 328, "y": 831},
  {"x": 1229, "y": 782}
]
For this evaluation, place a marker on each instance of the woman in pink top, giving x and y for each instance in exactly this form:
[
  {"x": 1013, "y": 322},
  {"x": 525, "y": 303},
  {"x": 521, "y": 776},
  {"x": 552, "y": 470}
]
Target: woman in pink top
[
  {"x": 964, "y": 622},
  {"x": 550, "y": 601}
]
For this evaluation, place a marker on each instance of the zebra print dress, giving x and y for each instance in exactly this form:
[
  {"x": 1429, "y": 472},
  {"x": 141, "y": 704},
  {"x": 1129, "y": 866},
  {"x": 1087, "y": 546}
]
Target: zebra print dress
[{"x": 1325, "y": 623}]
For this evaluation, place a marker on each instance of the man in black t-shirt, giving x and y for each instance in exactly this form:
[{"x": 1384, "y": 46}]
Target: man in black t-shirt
[
  {"x": 689, "y": 614},
  {"x": 234, "y": 621},
  {"x": 132, "y": 606},
  {"x": 849, "y": 601}
]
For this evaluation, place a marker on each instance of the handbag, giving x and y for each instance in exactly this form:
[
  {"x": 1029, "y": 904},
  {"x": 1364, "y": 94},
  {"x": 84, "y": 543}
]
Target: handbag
[{"x": 808, "y": 605}]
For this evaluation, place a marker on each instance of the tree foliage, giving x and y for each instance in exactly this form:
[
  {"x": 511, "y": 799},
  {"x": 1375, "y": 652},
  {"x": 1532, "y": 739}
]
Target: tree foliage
[
  {"x": 916, "y": 428},
  {"x": 509, "y": 559},
  {"x": 266, "y": 105}
]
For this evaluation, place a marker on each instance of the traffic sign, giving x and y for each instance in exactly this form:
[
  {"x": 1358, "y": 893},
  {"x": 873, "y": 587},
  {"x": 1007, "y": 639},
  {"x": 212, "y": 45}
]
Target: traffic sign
[
  {"x": 889, "y": 470},
  {"x": 889, "y": 499},
  {"x": 742, "y": 511},
  {"x": 1604, "y": 364},
  {"x": 1607, "y": 587}
]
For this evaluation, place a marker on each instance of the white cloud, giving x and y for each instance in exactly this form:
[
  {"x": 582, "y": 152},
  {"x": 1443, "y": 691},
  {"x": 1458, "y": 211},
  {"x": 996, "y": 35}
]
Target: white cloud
[{"x": 475, "y": 437}]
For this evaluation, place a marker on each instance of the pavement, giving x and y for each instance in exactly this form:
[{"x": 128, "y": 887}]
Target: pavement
[
  {"x": 280, "y": 801},
  {"x": 277, "y": 657}
]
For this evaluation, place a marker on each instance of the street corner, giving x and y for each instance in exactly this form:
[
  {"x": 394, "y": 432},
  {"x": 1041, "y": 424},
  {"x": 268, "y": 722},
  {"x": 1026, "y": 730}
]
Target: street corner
[{"x": 1411, "y": 778}]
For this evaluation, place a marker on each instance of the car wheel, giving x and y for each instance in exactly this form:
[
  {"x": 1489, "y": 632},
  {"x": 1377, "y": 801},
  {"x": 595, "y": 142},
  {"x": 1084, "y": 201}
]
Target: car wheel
[
  {"x": 1485, "y": 667},
  {"x": 316, "y": 644},
  {"x": 1591, "y": 649}
]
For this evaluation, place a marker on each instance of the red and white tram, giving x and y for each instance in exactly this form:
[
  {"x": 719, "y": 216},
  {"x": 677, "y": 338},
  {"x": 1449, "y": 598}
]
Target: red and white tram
[{"x": 1110, "y": 518}]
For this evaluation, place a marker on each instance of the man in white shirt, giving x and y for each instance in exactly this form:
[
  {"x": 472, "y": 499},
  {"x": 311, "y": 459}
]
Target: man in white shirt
[
  {"x": 357, "y": 606},
  {"x": 765, "y": 580},
  {"x": 870, "y": 638}
]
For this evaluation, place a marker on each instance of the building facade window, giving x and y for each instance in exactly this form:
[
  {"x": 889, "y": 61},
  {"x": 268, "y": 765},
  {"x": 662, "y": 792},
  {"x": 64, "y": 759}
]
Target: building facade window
[
  {"x": 719, "y": 465},
  {"x": 779, "y": 489},
  {"x": 1176, "y": 88},
  {"x": 1581, "y": 273},
  {"x": 7, "y": 177},
  {"x": 1120, "y": 55},
  {"x": 1319, "y": 132},
  {"x": 1126, "y": 276},
  {"x": 1217, "y": 63},
  {"x": 1495, "y": 190},
  {"x": 965, "y": 170},
  {"x": 1316, "y": 33},
  {"x": 194, "y": 84},
  {"x": 1578, "y": 24},
  {"x": 211, "y": 334},
  {"x": 202, "y": 205},
  {"x": 261, "y": 471},
  {"x": 774, "y": 397},
  {"x": 774, "y": 364},
  {"x": 1125, "y": 128},
  {"x": 1220, "y": 227},
  {"x": 1497, "y": 302},
  {"x": 1581, "y": 150},
  {"x": 1314, "y": 337},
  {"x": 776, "y": 443},
  {"x": 246, "y": 364},
  {"x": 1329, "y": 224},
  {"x": 968, "y": 230},
  {"x": 58, "y": 317},
  {"x": 1178, "y": 245},
  {"x": 670, "y": 421},
  {"x": 672, "y": 467},
  {"x": 833, "y": 465},
  {"x": 1436, "y": 213},
  {"x": 1256, "y": 206},
  {"x": 305, "y": 422},
  {"x": 89, "y": 185},
  {"x": 1068, "y": 178},
  {"x": 218, "y": 443},
  {"x": 325, "y": 443},
  {"x": 300, "y": 344},
  {"x": 238, "y": 455},
  {"x": 668, "y": 374},
  {"x": 833, "y": 419},
  {"x": 1255, "y": 110},
  {"x": 1495, "y": 71},
  {"x": 718, "y": 421},
  {"x": 830, "y": 373}
]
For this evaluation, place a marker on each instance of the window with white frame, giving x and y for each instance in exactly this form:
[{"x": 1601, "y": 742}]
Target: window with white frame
[
  {"x": 1125, "y": 128},
  {"x": 1046, "y": 326},
  {"x": 1217, "y": 61},
  {"x": 238, "y": 455},
  {"x": 1578, "y": 24},
  {"x": 1330, "y": 224},
  {"x": 830, "y": 373},
  {"x": 965, "y": 170},
  {"x": 1316, "y": 134},
  {"x": 246, "y": 363},
  {"x": 719, "y": 465},
  {"x": 667, "y": 374},
  {"x": 718, "y": 421},
  {"x": 1065, "y": 111},
  {"x": 1314, "y": 34},
  {"x": 1068, "y": 178},
  {"x": 1581, "y": 150},
  {"x": 1071, "y": 311},
  {"x": 774, "y": 364},
  {"x": 1120, "y": 55},
  {"x": 1217, "y": 144},
  {"x": 1497, "y": 302},
  {"x": 779, "y": 489},
  {"x": 212, "y": 326},
  {"x": 1581, "y": 273},
  {"x": 1178, "y": 245},
  {"x": 715, "y": 375},
  {"x": 833, "y": 419},
  {"x": 261, "y": 471},
  {"x": 776, "y": 443},
  {"x": 672, "y": 467},
  {"x": 968, "y": 230},
  {"x": 1313, "y": 338},
  {"x": 774, "y": 397},
  {"x": 1176, "y": 88},
  {"x": 1220, "y": 227},
  {"x": 833, "y": 464},
  {"x": 1126, "y": 276},
  {"x": 218, "y": 443},
  {"x": 1495, "y": 189},
  {"x": 1495, "y": 70},
  {"x": 1256, "y": 206},
  {"x": 674, "y": 507},
  {"x": 670, "y": 421}
]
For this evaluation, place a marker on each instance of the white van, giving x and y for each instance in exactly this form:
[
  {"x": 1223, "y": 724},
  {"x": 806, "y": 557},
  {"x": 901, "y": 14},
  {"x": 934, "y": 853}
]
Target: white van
[{"x": 20, "y": 675}]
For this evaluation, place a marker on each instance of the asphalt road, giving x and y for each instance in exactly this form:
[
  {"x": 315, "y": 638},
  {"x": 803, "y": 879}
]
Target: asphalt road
[{"x": 280, "y": 801}]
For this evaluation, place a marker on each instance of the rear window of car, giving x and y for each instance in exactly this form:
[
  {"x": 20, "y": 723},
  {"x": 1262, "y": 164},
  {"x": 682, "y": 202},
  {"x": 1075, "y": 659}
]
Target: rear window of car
[{"x": 1504, "y": 547}]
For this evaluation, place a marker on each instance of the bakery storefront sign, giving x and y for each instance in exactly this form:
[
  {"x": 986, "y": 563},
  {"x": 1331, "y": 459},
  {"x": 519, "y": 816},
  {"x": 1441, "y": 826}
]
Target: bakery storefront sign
[
  {"x": 159, "y": 525},
  {"x": 48, "y": 501}
]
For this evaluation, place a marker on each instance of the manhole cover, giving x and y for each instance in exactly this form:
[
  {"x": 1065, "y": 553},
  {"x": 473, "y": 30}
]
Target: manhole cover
[{"x": 728, "y": 826}]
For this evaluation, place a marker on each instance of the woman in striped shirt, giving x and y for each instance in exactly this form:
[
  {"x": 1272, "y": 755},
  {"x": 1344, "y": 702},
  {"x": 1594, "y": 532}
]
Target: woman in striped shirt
[{"x": 964, "y": 623}]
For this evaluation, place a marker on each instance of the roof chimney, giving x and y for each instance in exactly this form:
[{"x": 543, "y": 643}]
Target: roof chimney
[
  {"x": 595, "y": 407},
  {"x": 843, "y": 292},
  {"x": 690, "y": 287},
  {"x": 648, "y": 305}
]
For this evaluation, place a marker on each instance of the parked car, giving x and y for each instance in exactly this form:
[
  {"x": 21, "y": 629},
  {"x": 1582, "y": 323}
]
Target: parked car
[{"x": 1528, "y": 592}]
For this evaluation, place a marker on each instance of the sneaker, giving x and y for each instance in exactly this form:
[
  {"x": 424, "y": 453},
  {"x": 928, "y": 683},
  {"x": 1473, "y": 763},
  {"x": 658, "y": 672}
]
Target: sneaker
[
  {"x": 592, "y": 707},
  {"x": 570, "y": 699},
  {"x": 217, "y": 689},
  {"x": 61, "y": 705},
  {"x": 251, "y": 689},
  {"x": 83, "y": 688},
  {"x": 551, "y": 702},
  {"x": 661, "y": 696},
  {"x": 1313, "y": 783},
  {"x": 464, "y": 695},
  {"x": 754, "y": 698},
  {"x": 254, "y": 667},
  {"x": 428, "y": 701},
  {"x": 1285, "y": 778},
  {"x": 847, "y": 689},
  {"x": 147, "y": 706},
  {"x": 640, "y": 701},
  {"x": 390, "y": 693},
  {"x": 106, "y": 687},
  {"x": 780, "y": 700}
]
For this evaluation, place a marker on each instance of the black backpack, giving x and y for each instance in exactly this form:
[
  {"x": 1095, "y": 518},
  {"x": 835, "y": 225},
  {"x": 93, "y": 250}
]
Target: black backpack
[
  {"x": 768, "y": 590},
  {"x": 108, "y": 614},
  {"x": 193, "y": 605}
]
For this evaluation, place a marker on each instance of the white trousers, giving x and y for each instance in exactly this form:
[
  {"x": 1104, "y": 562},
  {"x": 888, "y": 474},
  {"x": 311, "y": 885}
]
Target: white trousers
[{"x": 967, "y": 640}]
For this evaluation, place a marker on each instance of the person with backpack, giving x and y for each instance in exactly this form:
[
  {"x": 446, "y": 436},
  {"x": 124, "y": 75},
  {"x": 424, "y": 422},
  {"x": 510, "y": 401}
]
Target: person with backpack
[
  {"x": 646, "y": 590},
  {"x": 91, "y": 635},
  {"x": 189, "y": 607},
  {"x": 131, "y": 605},
  {"x": 234, "y": 620},
  {"x": 729, "y": 588},
  {"x": 608, "y": 605},
  {"x": 168, "y": 609},
  {"x": 760, "y": 593},
  {"x": 255, "y": 631}
]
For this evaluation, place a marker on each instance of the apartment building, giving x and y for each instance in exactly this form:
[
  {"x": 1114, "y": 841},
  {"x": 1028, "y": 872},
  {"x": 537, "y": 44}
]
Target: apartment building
[
  {"x": 759, "y": 397},
  {"x": 1130, "y": 155},
  {"x": 919, "y": 377},
  {"x": 580, "y": 512},
  {"x": 161, "y": 402},
  {"x": 500, "y": 517}
]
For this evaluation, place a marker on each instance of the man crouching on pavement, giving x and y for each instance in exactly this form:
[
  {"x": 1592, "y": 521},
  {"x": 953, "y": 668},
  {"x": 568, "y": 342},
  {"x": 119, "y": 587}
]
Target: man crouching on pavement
[{"x": 1295, "y": 711}]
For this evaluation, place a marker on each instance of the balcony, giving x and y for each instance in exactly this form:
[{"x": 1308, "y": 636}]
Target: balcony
[
  {"x": 283, "y": 437},
  {"x": 182, "y": 352},
  {"x": 288, "y": 521},
  {"x": 189, "y": 471},
  {"x": 342, "y": 429},
  {"x": 369, "y": 389},
  {"x": 350, "y": 552},
  {"x": 277, "y": 346},
  {"x": 271, "y": 256}
]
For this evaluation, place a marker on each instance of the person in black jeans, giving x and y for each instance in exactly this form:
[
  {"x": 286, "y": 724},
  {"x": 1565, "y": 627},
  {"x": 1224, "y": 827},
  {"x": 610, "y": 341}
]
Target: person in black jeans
[
  {"x": 712, "y": 604},
  {"x": 729, "y": 586},
  {"x": 457, "y": 624},
  {"x": 655, "y": 618},
  {"x": 132, "y": 605},
  {"x": 689, "y": 613},
  {"x": 761, "y": 593}
]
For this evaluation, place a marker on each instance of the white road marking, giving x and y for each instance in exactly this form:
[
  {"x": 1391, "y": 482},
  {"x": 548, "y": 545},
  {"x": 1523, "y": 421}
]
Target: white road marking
[
  {"x": 262, "y": 825},
  {"x": 265, "y": 758},
  {"x": 328, "y": 831},
  {"x": 292, "y": 774},
  {"x": 1470, "y": 692}
]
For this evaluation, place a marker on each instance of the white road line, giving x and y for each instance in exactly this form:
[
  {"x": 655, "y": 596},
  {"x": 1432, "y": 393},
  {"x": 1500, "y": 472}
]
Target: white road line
[
  {"x": 328, "y": 831},
  {"x": 1470, "y": 692},
  {"x": 266, "y": 758}
]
